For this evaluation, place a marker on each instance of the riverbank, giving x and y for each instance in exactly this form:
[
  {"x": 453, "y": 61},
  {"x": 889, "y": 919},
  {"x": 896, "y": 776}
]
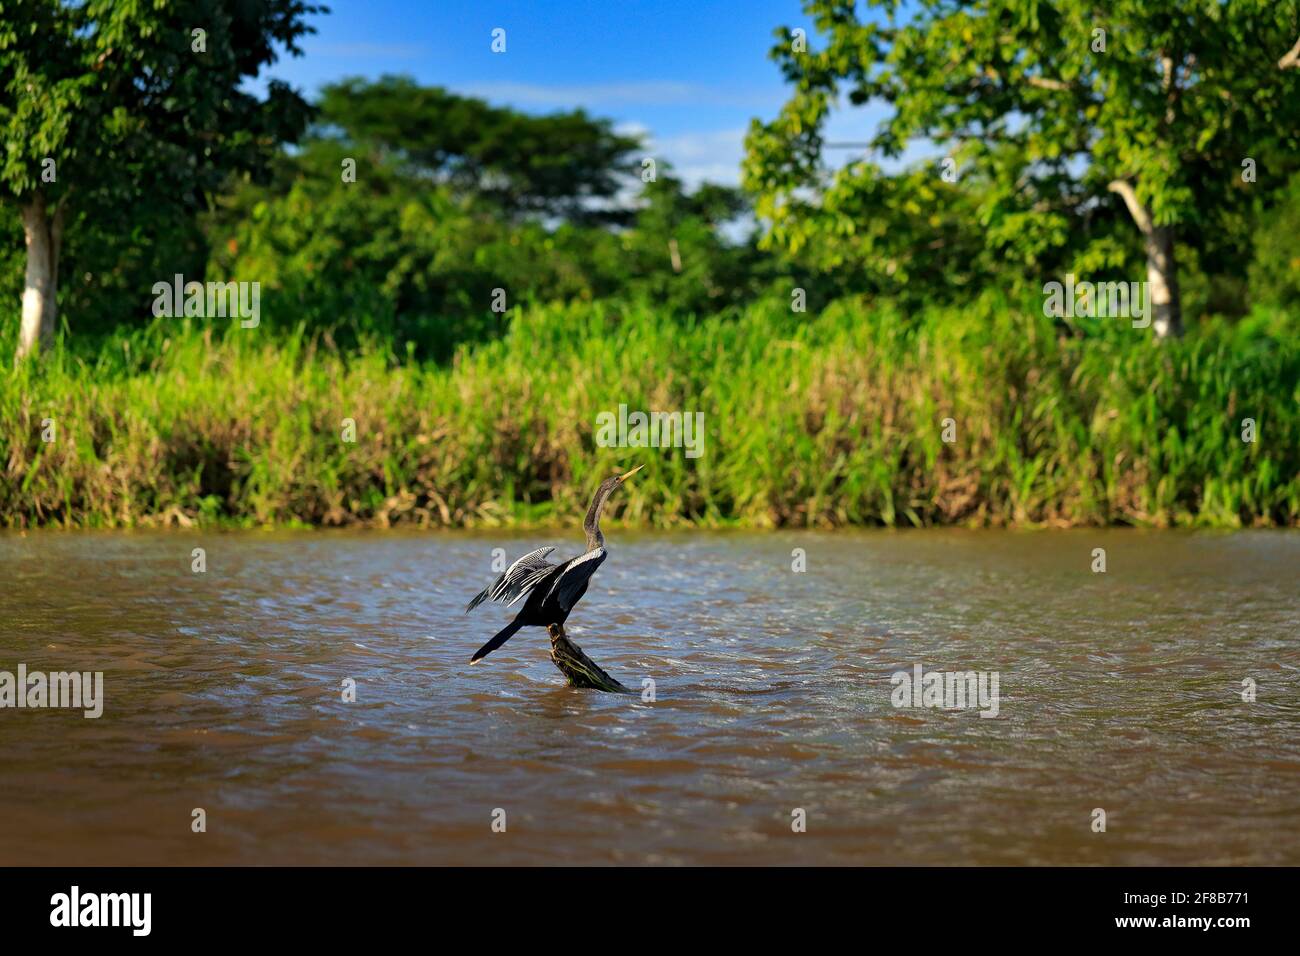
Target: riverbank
[{"x": 983, "y": 416}]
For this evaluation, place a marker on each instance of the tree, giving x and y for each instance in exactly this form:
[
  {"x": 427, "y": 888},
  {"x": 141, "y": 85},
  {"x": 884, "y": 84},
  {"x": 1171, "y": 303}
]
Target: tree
[
  {"x": 1054, "y": 109},
  {"x": 1275, "y": 269},
  {"x": 392, "y": 253},
  {"x": 565, "y": 165},
  {"x": 107, "y": 104},
  {"x": 407, "y": 207},
  {"x": 677, "y": 254}
]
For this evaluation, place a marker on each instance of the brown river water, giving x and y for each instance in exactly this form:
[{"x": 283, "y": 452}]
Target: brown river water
[{"x": 223, "y": 690}]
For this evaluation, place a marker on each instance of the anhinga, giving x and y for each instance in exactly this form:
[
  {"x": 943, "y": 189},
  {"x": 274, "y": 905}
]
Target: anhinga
[{"x": 552, "y": 590}]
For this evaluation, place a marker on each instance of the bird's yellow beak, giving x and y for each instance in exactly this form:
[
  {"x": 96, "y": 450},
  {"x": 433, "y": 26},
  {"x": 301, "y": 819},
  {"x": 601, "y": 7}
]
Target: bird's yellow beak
[{"x": 623, "y": 478}]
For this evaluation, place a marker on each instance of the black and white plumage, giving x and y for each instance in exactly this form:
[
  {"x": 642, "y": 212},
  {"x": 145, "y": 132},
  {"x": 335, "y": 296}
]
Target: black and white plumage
[
  {"x": 549, "y": 591},
  {"x": 516, "y": 581}
]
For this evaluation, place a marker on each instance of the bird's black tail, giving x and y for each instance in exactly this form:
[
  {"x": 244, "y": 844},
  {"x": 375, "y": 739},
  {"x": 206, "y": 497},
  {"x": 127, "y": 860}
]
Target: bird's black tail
[{"x": 503, "y": 635}]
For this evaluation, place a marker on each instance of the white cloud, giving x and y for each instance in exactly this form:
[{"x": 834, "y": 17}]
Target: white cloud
[
  {"x": 712, "y": 155},
  {"x": 634, "y": 128}
]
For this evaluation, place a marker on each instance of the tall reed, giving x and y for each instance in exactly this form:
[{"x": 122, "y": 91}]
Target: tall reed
[{"x": 811, "y": 420}]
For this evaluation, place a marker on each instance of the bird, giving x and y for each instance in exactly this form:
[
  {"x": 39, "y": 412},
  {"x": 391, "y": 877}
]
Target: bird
[{"x": 549, "y": 591}]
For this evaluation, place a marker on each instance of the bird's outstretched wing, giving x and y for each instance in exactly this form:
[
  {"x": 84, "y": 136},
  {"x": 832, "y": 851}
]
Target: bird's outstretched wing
[
  {"x": 517, "y": 580},
  {"x": 572, "y": 580}
]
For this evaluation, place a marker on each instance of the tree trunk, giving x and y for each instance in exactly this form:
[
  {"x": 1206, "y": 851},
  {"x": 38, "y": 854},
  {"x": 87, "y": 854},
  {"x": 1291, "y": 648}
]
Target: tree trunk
[
  {"x": 1162, "y": 265},
  {"x": 44, "y": 236},
  {"x": 580, "y": 669},
  {"x": 1290, "y": 58},
  {"x": 1162, "y": 280}
]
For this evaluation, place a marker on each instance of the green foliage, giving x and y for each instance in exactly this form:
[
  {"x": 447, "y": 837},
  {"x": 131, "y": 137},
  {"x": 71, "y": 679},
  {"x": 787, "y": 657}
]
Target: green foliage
[
  {"x": 117, "y": 95},
  {"x": 377, "y": 293},
  {"x": 142, "y": 128},
  {"x": 822, "y": 420},
  {"x": 1275, "y": 271},
  {"x": 109, "y": 262},
  {"x": 384, "y": 255},
  {"x": 1040, "y": 121},
  {"x": 710, "y": 273},
  {"x": 566, "y": 164},
  {"x": 416, "y": 246}
]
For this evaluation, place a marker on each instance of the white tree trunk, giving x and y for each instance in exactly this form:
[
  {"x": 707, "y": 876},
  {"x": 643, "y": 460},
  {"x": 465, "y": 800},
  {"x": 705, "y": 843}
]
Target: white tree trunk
[
  {"x": 44, "y": 234},
  {"x": 1162, "y": 281},
  {"x": 1162, "y": 265}
]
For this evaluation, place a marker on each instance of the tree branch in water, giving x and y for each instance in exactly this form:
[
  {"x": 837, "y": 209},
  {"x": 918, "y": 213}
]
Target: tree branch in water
[{"x": 580, "y": 669}]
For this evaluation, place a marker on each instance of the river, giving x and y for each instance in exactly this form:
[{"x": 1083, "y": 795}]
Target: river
[{"x": 773, "y": 707}]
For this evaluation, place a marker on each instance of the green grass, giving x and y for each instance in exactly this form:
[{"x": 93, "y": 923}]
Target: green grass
[{"x": 823, "y": 420}]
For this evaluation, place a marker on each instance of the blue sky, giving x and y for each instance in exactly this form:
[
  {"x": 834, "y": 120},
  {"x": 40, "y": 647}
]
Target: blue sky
[{"x": 689, "y": 75}]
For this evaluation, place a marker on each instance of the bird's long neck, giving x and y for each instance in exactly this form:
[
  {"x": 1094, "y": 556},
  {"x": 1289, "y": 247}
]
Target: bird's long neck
[{"x": 591, "y": 524}]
